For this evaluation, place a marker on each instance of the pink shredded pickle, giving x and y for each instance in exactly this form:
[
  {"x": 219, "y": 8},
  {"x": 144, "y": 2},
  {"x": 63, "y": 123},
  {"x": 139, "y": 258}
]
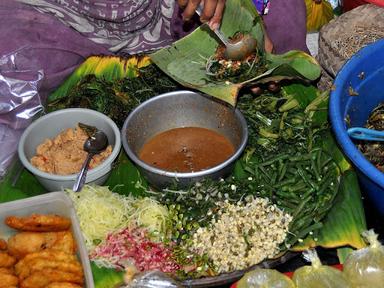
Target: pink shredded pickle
[{"x": 133, "y": 245}]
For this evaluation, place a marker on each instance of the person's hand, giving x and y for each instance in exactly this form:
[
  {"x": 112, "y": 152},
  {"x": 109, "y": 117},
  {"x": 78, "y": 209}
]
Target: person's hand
[
  {"x": 212, "y": 12},
  {"x": 268, "y": 45}
]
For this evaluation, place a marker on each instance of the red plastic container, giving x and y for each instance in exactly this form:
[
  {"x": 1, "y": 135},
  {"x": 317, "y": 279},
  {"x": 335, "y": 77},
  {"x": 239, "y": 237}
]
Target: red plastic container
[{"x": 350, "y": 4}]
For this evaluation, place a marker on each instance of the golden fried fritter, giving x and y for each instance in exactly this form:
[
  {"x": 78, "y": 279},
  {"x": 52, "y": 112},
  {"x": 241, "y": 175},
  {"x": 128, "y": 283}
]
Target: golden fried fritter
[
  {"x": 62, "y": 285},
  {"x": 42, "y": 279},
  {"x": 24, "y": 243},
  {"x": 8, "y": 280},
  {"x": 39, "y": 223},
  {"x": 6, "y": 260},
  {"x": 8, "y": 270},
  {"x": 41, "y": 264},
  {"x": 48, "y": 254},
  {"x": 3, "y": 244}
]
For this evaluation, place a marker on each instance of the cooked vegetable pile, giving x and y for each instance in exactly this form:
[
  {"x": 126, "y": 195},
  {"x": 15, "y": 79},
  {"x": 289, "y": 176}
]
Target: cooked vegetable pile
[
  {"x": 285, "y": 178},
  {"x": 219, "y": 68},
  {"x": 116, "y": 98}
]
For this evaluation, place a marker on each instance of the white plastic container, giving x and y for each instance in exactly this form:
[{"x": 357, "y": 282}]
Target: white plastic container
[{"x": 52, "y": 203}]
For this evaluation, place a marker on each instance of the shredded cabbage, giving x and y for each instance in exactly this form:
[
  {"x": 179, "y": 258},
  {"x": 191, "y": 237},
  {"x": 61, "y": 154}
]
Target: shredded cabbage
[
  {"x": 151, "y": 215},
  {"x": 100, "y": 212}
]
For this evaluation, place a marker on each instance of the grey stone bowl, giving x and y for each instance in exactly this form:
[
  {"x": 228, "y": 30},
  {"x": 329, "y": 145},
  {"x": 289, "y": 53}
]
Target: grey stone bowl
[
  {"x": 182, "y": 109},
  {"x": 49, "y": 126}
]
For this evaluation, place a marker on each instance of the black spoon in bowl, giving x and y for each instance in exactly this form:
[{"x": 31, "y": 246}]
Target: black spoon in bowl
[{"x": 95, "y": 144}]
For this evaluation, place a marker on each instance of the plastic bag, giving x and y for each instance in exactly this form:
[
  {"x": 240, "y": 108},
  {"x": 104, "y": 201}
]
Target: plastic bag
[
  {"x": 260, "y": 278},
  {"x": 318, "y": 275},
  {"x": 19, "y": 103},
  {"x": 365, "y": 267},
  {"x": 152, "y": 279}
]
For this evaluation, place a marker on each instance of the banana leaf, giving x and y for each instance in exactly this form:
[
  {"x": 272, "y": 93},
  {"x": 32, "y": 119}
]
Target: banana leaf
[
  {"x": 345, "y": 221},
  {"x": 108, "y": 67},
  {"x": 341, "y": 227},
  {"x": 185, "y": 60}
]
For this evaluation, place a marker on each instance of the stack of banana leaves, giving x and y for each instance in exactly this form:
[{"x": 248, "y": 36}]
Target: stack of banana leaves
[{"x": 291, "y": 156}]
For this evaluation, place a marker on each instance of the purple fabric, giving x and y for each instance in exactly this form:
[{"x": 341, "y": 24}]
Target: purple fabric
[
  {"x": 286, "y": 25},
  {"x": 43, "y": 43},
  {"x": 125, "y": 26}
]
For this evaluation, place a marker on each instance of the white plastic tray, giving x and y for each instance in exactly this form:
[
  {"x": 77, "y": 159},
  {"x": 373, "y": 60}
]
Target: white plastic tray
[{"x": 51, "y": 203}]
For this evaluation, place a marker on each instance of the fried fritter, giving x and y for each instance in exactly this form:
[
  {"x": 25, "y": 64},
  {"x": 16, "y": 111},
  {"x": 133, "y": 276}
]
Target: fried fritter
[
  {"x": 41, "y": 264},
  {"x": 4, "y": 270},
  {"x": 8, "y": 280},
  {"x": 39, "y": 223},
  {"x": 62, "y": 285},
  {"x": 24, "y": 243},
  {"x": 49, "y": 254},
  {"x": 48, "y": 276},
  {"x": 3, "y": 244},
  {"x": 6, "y": 260}
]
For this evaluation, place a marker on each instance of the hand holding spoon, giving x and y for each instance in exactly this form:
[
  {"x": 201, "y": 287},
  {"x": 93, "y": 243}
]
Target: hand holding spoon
[
  {"x": 234, "y": 51},
  {"x": 95, "y": 144}
]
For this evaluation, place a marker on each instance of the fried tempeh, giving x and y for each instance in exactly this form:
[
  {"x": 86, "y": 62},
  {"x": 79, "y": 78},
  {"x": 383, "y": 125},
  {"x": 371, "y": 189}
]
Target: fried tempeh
[
  {"x": 41, "y": 264},
  {"x": 4, "y": 270},
  {"x": 42, "y": 279},
  {"x": 25, "y": 243},
  {"x": 8, "y": 280},
  {"x": 47, "y": 254},
  {"x": 62, "y": 285},
  {"x": 3, "y": 244},
  {"x": 39, "y": 223},
  {"x": 6, "y": 260}
]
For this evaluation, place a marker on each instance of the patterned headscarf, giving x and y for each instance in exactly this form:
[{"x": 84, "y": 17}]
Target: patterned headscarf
[
  {"x": 124, "y": 26},
  {"x": 262, "y": 6}
]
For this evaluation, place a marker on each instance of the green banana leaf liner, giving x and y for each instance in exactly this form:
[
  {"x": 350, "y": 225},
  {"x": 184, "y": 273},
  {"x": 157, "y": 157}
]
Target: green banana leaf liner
[
  {"x": 340, "y": 228},
  {"x": 185, "y": 60}
]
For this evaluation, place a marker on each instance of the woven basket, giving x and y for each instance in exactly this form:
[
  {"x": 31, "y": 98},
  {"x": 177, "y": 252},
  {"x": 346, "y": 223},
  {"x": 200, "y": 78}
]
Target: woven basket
[{"x": 348, "y": 33}]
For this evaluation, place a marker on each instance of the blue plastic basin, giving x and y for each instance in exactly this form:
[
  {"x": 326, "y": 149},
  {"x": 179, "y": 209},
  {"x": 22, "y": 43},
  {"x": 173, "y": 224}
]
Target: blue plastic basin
[{"x": 364, "y": 73}]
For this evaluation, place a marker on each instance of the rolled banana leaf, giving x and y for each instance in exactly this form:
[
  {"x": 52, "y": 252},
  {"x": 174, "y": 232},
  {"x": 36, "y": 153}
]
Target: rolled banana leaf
[{"x": 185, "y": 60}]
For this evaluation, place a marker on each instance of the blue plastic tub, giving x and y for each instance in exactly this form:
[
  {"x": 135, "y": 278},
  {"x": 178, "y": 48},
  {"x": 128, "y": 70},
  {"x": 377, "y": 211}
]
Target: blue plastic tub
[{"x": 363, "y": 74}]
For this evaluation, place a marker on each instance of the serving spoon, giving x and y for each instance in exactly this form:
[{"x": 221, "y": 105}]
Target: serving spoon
[
  {"x": 365, "y": 134},
  {"x": 96, "y": 142},
  {"x": 234, "y": 51}
]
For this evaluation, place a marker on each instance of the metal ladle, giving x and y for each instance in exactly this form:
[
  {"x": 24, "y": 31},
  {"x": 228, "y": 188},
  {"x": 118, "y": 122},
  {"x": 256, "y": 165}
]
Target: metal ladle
[
  {"x": 96, "y": 143},
  {"x": 234, "y": 51},
  {"x": 365, "y": 134}
]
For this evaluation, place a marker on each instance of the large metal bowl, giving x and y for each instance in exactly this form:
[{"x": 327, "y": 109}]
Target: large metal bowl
[{"x": 182, "y": 109}]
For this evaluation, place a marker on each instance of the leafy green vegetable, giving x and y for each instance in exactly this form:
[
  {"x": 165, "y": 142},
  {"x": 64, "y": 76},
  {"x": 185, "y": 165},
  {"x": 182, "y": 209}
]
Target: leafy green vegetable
[
  {"x": 116, "y": 98},
  {"x": 186, "y": 59}
]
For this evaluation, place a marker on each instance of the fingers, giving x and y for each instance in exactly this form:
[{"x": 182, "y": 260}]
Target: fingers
[
  {"x": 208, "y": 11},
  {"x": 190, "y": 9},
  {"x": 212, "y": 12},
  {"x": 215, "y": 21},
  {"x": 268, "y": 45},
  {"x": 182, "y": 3}
]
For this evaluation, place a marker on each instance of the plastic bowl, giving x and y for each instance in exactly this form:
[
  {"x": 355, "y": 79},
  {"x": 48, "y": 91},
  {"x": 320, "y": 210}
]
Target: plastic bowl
[
  {"x": 49, "y": 126},
  {"x": 52, "y": 203},
  {"x": 182, "y": 109},
  {"x": 364, "y": 74}
]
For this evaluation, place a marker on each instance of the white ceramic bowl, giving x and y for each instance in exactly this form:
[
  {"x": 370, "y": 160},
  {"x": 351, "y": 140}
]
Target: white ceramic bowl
[{"x": 49, "y": 126}]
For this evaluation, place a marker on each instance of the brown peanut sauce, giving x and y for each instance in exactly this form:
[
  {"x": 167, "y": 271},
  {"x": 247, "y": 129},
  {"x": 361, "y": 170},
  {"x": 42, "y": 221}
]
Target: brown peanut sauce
[{"x": 186, "y": 149}]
